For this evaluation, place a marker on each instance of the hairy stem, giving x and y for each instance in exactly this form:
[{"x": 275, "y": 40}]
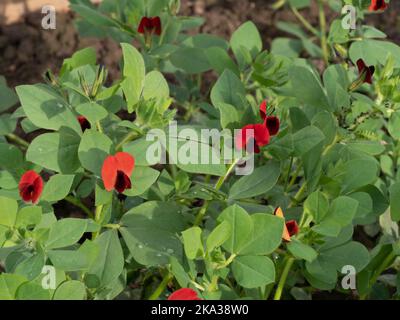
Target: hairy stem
[{"x": 160, "y": 289}]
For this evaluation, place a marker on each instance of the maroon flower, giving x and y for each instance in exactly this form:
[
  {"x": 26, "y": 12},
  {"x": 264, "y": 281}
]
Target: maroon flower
[
  {"x": 116, "y": 172},
  {"x": 85, "y": 124},
  {"x": 30, "y": 186},
  {"x": 184, "y": 294},
  {"x": 377, "y": 5},
  {"x": 292, "y": 227},
  {"x": 150, "y": 25},
  {"x": 366, "y": 72},
  {"x": 257, "y": 133},
  {"x": 271, "y": 122}
]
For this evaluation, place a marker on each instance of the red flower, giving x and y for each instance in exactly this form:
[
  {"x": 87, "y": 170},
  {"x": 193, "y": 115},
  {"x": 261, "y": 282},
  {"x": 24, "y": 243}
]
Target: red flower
[
  {"x": 258, "y": 133},
  {"x": 271, "y": 122},
  {"x": 365, "y": 71},
  {"x": 377, "y": 5},
  {"x": 290, "y": 229},
  {"x": 150, "y": 25},
  {"x": 116, "y": 172},
  {"x": 184, "y": 294},
  {"x": 85, "y": 124},
  {"x": 30, "y": 186}
]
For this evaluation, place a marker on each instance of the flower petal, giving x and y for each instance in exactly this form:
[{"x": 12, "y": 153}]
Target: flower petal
[
  {"x": 109, "y": 172},
  {"x": 263, "y": 109},
  {"x": 184, "y": 294},
  {"x": 125, "y": 162},
  {"x": 272, "y": 124}
]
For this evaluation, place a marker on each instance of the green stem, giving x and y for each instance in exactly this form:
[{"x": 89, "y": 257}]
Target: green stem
[
  {"x": 77, "y": 203},
  {"x": 288, "y": 174},
  {"x": 322, "y": 23},
  {"x": 298, "y": 195},
  {"x": 214, "y": 283},
  {"x": 160, "y": 289},
  {"x": 130, "y": 136},
  {"x": 99, "y": 127},
  {"x": 218, "y": 185},
  {"x": 305, "y": 23},
  {"x": 17, "y": 140},
  {"x": 282, "y": 280},
  {"x": 97, "y": 217},
  {"x": 386, "y": 263}
]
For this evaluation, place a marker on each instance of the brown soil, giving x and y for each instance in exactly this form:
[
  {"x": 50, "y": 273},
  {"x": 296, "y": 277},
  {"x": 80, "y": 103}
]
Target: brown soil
[{"x": 27, "y": 51}]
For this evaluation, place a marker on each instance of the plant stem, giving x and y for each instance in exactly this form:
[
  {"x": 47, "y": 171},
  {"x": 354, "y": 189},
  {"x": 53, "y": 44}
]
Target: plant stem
[
  {"x": 130, "y": 136},
  {"x": 322, "y": 23},
  {"x": 299, "y": 194},
  {"x": 214, "y": 283},
  {"x": 386, "y": 263},
  {"x": 282, "y": 280},
  {"x": 160, "y": 289},
  {"x": 97, "y": 216},
  {"x": 17, "y": 140},
  {"x": 305, "y": 23},
  {"x": 288, "y": 174},
  {"x": 99, "y": 127},
  {"x": 218, "y": 186},
  {"x": 77, "y": 203}
]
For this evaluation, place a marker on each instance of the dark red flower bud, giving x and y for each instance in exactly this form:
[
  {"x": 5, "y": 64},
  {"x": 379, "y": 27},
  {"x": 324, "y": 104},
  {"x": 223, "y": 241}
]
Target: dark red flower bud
[
  {"x": 184, "y": 294},
  {"x": 30, "y": 186},
  {"x": 365, "y": 72},
  {"x": 150, "y": 25},
  {"x": 116, "y": 172},
  {"x": 258, "y": 133},
  {"x": 292, "y": 227},
  {"x": 377, "y": 5},
  {"x": 85, "y": 124}
]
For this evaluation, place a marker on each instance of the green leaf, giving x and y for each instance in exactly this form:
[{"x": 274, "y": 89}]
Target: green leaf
[
  {"x": 306, "y": 139},
  {"x": 375, "y": 52},
  {"x": 218, "y": 236},
  {"x": 134, "y": 75},
  {"x": 150, "y": 232},
  {"x": 307, "y": 88},
  {"x": 253, "y": 271},
  {"x": 358, "y": 173},
  {"x": 395, "y": 201},
  {"x": 155, "y": 87},
  {"x": 65, "y": 232},
  {"x": 45, "y": 108},
  {"x": 142, "y": 179},
  {"x": 56, "y": 151},
  {"x": 190, "y": 60},
  {"x": 32, "y": 291},
  {"x": 8, "y": 212},
  {"x": 28, "y": 216},
  {"x": 220, "y": 60},
  {"x": 229, "y": 116},
  {"x": 138, "y": 149},
  {"x": 302, "y": 251},
  {"x": 109, "y": 263},
  {"x": 9, "y": 284},
  {"x": 7, "y": 124},
  {"x": 260, "y": 181},
  {"x": 92, "y": 112},
  {"x": 57, "y": 188},
  {"x": 241, "y": 228},
  {"x": 228, "y": 89},
  {"x": 192, "y": 243},
  {"x": 317, "y": 206},
  {"x": 246, "y": 40},
  {"x": 78, "y": 59},
  {"x": 10, "y": 156},
  {"x": 70, "y": 290},
  {"x": 31, "y": 267},
  {"x": 266, "y": 235},
  {"x": 7, "y": 96},
  {"x": 93, "y": 150}
]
